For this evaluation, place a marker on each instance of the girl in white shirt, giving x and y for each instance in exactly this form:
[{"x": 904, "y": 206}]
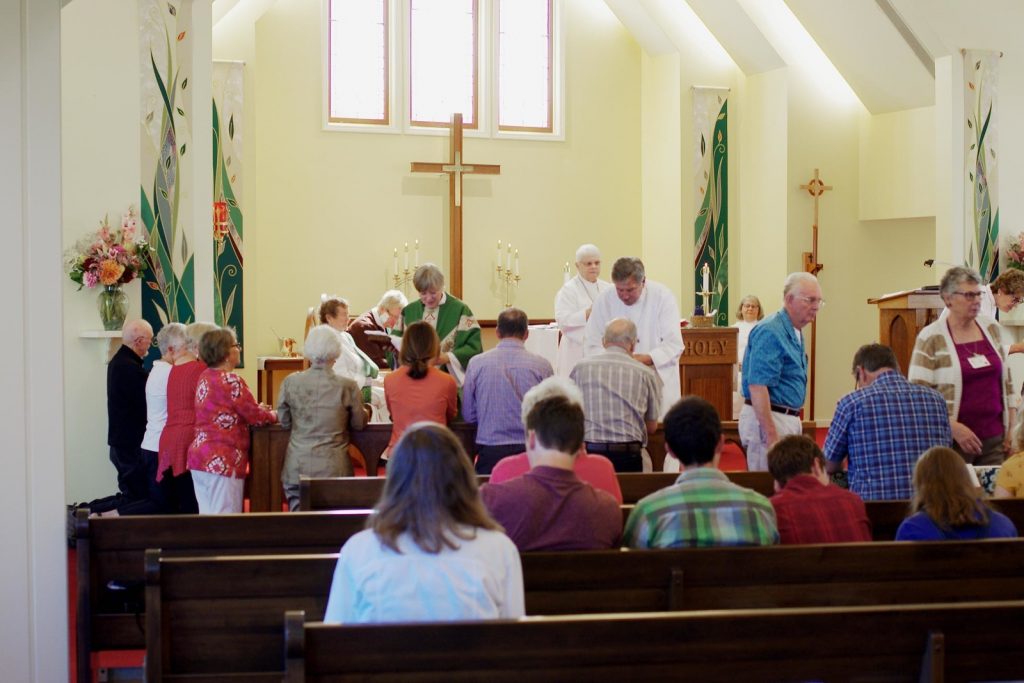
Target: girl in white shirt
[{"x": 432, "y": 552}]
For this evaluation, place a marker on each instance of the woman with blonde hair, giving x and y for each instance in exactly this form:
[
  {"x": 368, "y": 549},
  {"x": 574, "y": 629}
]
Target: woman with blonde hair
[
  {"x": 431, "y": 551},
  {"x": 946, "y": 506},
  {"x": 418, "y": 391}
]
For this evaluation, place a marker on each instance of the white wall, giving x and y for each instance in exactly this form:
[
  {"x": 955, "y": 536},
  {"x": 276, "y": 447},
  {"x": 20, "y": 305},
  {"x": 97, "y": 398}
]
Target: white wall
[
  {"x": 897, "y": 165},
  {"x": 33, "y": 575},
  {"x": 100, "y": 170}
]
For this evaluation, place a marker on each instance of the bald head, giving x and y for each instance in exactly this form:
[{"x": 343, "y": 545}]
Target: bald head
[
  {"x": 138, "y": 336},
  {"x": 620, "y": 332}
]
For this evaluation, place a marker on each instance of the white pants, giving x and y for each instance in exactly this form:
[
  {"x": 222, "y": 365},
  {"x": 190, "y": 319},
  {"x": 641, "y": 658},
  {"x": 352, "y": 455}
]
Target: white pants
[
  {"x": 217, "y": 494},
  {"x": 753, "y": 439}
]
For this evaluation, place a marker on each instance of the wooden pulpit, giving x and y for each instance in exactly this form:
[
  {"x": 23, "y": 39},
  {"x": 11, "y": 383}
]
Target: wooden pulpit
[
  {"x": 901, "y": 316},
  {"x": 707, "y": 365},
  {"x": 271, "y": 371}
]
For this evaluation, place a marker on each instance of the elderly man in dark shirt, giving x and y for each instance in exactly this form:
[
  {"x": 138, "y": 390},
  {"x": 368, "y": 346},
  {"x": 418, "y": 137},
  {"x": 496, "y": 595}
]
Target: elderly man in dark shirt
[{"x": 126, "y": 408}]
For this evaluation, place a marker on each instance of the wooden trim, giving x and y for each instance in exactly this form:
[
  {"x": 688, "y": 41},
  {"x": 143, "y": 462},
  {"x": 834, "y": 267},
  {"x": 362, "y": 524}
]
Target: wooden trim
[{"x": 386, "y": 121}]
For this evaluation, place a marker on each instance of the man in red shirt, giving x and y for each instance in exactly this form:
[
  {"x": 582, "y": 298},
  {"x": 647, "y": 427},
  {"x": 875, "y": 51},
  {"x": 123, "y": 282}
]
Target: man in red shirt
[{"x": 808, "y": 508}]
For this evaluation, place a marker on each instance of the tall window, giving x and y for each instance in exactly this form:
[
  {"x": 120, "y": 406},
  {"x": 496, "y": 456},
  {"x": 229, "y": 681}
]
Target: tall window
[
  {"x": 524, "y": 65},
  {"x": 359, "y": 62},
  {"x": 442, "y": 61}
]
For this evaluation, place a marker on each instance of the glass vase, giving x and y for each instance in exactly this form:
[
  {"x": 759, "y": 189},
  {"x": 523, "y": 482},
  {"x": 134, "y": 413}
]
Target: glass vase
[{"x": 113, "y": 306}]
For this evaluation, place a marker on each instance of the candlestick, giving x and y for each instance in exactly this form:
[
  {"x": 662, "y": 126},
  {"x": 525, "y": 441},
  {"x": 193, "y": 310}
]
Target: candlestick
[
  {"x": 517, "y": 263},
  {"x": 498, "y": 259},
  {"x": 417, "y": 260},
  {"x": 396, "y": 262},
  {"x": 407, "y": 256},
  {"x": 705, "y": 273},
  {"x": 508, "y": 257}
]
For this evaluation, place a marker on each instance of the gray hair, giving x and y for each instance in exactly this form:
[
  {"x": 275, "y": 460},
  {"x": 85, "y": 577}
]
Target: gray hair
[
  {"x": 428, "y": 277},
  {"x": 956, "y": 276},
  {"x": 390, "y": 299},
  {"x": 171, "y": 336},
  {"x": 628, "y": 267},
  {"x": 619, "y": 332},
  {"x": 549, "y": 388},
  {"x": 323, "y": 346},
  {"x": 195, "y": 333},
  {"x": 795, "y": 279},
  {"x": 586, "y": 250}
]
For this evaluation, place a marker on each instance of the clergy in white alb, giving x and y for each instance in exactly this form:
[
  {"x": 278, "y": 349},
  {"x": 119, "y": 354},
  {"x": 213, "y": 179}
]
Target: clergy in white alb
[
  {"x": 573, "y": 304},
  {"x": 654, "y": 311}
]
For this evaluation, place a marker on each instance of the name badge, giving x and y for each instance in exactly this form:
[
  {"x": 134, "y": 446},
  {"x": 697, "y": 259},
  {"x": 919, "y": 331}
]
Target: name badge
[{"x": 978, "y": 361}]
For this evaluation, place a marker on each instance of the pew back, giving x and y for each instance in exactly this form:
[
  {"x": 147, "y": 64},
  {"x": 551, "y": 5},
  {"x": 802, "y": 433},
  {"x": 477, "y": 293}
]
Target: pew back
[
  {"x": 111, "y": 550},
  {"x": 920, "y": 642},
  {"x": 356, "y": 493},
  {"x": 219, "y": 615}
]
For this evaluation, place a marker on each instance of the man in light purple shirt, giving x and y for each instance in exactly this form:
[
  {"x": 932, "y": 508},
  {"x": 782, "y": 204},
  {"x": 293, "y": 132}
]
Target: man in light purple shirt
[{"x": 492, "y": 394}]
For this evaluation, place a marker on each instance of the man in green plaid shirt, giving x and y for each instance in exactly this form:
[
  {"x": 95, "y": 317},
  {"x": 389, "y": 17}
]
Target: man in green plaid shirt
[{"x": 703, "y": 508}]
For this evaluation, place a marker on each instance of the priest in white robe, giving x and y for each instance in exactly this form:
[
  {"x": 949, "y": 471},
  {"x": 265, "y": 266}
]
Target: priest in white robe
[
  {"x": 573, "y": 305},
  {"x": 654, "y": 310}
]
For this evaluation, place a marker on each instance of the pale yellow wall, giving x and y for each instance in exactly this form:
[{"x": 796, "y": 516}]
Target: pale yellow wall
[
  {"x": 325, "y": 209},
  {"x": 897, "y": 165},
  {"x": 661, "y": 171},
  {"x": 100, "y": 175}
]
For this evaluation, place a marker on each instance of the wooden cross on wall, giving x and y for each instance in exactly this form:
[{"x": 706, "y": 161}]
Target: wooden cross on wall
[
  {"x": 815, "y": 187},
  {"x": 455, "y": 169}
]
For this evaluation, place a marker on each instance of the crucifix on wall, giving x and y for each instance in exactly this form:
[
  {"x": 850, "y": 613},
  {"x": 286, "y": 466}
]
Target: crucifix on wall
[
  {"x": 815, "y": 187},
  {"x": 455, "y": 168}
]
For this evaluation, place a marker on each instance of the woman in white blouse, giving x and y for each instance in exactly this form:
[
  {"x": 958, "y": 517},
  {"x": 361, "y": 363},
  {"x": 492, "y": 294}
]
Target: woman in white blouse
[
  {"x": 572, "y": 307},
  {"x": 431, "y": 552},
  {"x": 748, "y": 314}
]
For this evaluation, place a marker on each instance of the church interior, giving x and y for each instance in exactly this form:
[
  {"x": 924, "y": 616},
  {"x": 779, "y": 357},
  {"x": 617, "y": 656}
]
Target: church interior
[{"x": 873, "y": 94}]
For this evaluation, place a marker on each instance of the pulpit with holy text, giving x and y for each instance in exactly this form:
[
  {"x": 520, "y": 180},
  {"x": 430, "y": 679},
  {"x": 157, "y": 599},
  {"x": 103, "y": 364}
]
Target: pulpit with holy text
[
  {"x": 901, "y": 315},
  {"x": 707, "y": 365}
]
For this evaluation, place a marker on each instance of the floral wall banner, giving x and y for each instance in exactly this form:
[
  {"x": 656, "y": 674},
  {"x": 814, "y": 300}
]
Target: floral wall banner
[
  {"x": 227, "y": 194},
  {"x": 711, "y": 190},
  {"x": 981, "y": 175},
  {"x": 165, "y": 53}
]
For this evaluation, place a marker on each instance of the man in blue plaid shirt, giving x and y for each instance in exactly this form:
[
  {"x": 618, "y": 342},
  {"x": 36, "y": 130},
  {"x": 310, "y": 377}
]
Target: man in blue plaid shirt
[{"x": 884, "y": 426}]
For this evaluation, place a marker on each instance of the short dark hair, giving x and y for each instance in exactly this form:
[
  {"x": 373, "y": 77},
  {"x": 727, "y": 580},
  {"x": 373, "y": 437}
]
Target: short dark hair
[
  {"x": 693, "y": 430},
  {"x": 793, "y": 455},
  {"x": 558, "y": 424},
  {"x": 215, "y": 346},
  {"x": 512, "y": 322},
  {"x": 628, "y": 267},
  {"x": 330, "y": 307},
  {"x": 874, "y": 357}
]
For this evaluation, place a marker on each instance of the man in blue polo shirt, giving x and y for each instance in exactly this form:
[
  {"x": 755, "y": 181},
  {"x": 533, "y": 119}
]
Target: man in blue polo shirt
[{"x": 775, "y": 370}]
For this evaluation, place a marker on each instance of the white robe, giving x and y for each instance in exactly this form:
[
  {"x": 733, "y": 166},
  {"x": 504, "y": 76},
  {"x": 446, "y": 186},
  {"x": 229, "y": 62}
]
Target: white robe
[
  {"x": 571, "y": 303},
  {"x": 656, "y": 316}
]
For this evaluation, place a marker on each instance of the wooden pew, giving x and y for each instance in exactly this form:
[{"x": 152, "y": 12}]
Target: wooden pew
[
  {"x": 214, "y": 616},
  {"x": 921, "y": 642},
  {"x": 111, "y": 550},
  {"x": 357, "y": 493},
  {"x": 269, "y": 444}
]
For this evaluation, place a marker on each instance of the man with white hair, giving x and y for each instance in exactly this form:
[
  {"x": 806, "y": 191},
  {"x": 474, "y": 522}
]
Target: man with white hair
[
  {"x": 775, "y": 370},
  {"x": 621, "y": 399},
  {"x": 573, "y": 304},
  {"x": 654, "y": 311},
  {"x": 126, "y": 408}
]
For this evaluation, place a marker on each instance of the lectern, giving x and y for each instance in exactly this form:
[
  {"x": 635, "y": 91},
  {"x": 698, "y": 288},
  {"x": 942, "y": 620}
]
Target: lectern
[
  {"x": 901, "y": 315},
  {"x": 707, "y": 365}
]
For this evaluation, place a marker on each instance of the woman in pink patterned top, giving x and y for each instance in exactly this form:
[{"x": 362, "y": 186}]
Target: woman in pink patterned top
[{"x": 219, "y": 454}]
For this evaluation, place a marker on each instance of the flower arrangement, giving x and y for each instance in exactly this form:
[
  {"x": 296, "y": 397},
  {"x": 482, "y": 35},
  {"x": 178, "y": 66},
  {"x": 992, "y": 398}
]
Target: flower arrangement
[
  {"x": 1015, "y": 252},
  {"x": 110, "y": 257}
]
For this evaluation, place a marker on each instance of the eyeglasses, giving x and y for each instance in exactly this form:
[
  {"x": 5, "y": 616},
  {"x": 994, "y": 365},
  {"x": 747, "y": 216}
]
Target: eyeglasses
[
  {"x": 812, "y": 301},
  {"x": 974, "y": 296},
  {"x": 237, "y": 346}
]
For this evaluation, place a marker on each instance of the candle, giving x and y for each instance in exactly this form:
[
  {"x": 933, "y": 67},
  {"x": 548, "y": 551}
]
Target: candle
[
  {"x": 396, "y": 260},
  {"x": 508, "y": 257},
  {"x": 517, "y": 262},
  {"x": 407, "y": 256},
  {"x": 705, "y": 272},
  {"x": 417, "y": 261},
  {"x": 565, "y": 273},
  {"x": 498, "y": 259}
]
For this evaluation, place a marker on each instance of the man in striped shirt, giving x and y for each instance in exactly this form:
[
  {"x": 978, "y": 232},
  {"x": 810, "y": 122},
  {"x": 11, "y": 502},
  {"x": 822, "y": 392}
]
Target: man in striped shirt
[
  {"x": 621, "y": 399},
  {"x": 703, "y": 508}
]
